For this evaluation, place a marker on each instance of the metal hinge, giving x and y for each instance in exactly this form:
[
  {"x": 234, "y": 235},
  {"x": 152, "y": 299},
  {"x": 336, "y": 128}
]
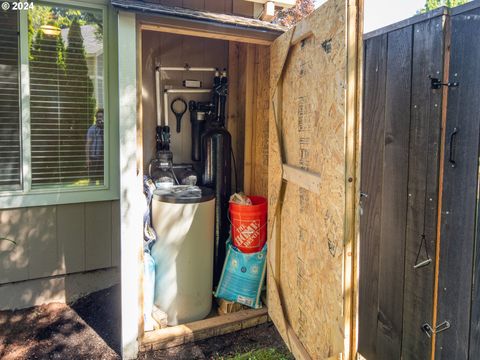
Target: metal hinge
[
  {"x": 437, "y": 84},
  {"x": 362, "y": 195},
  {"x": 429, "y": 331}
]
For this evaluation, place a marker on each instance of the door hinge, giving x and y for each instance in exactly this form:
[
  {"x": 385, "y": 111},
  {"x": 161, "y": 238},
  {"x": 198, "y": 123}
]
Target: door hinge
[
  {"x": 362, "y": 196},
  {"x": 437, "y": 84},
  {"x": 429, "y": 331}
]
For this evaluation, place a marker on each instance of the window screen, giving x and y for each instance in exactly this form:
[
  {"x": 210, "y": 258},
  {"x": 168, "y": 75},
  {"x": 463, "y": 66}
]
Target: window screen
[
  {"x": 66, "y": 103},
  {"x": 10, "y": 134}
]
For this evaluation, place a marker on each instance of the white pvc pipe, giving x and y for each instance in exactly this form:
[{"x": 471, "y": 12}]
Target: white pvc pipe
[
  {"x": 157, "y": 95},
  {"x": 186, "y": 68},
  {"x": 188, "y": 91},
  {"x": 165, "y": 107}
]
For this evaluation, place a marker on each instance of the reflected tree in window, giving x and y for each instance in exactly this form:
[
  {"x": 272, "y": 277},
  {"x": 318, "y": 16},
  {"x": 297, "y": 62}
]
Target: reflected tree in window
[{"x": 66, "y": 71}]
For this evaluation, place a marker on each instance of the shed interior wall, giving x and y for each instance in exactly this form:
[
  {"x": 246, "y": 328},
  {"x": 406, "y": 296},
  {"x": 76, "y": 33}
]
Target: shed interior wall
[
  {"x": 247, "y": 122},
  {"x": 247, "y": 104}
]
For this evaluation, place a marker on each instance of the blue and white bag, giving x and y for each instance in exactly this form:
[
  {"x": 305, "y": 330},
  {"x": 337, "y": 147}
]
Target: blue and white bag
[{"x": 242, "y": 276}]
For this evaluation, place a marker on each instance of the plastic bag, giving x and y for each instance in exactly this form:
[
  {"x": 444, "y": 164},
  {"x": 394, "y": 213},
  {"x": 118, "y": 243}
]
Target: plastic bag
[
  {"x": 242, "y": 276},
  {"x": 240, "y": 198},
  {"x": 148, "y": 291}
]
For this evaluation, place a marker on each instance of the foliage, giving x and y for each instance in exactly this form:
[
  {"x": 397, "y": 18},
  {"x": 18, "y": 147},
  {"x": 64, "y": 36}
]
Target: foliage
[
  {"x": 78, "y": 100},
  {"x": 59, "y": 75},
  {"x": 77, "y": 71},
  {"x": 7, "y": 239},
  {"x": 263, "y": 354},
  {"x": 434, "y": 4},
  {"x": 63, "y": 19},
  {"x": 289, "y": 17},
  {"x": 46, "y": 73}
]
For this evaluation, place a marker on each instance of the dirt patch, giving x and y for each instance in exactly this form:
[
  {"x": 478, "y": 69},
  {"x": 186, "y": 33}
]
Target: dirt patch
[
  {"x": 225, "y": 346},
  {"x": 90, "y": 329},
  {"x": 52, "y": 331}
]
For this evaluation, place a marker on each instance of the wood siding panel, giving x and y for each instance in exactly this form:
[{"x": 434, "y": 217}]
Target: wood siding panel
[
  {"x": 218, "y": 6},
  {"x": 175, "y": 50},
  {"x": 422, "y": 186},
  {"x": 51, "y": 240},
  {"x": 394, "y": 194},
  {"x": 458, "y": 252},
  {"x": 460, "y": 197},
  {"x": 242, "y": 8},
  {"x": 194, "y": 4},
  {"x": 371, "y": 185},
  {"x": 42, "y": 242},
  {"x": 259, "y": 182},
  {"x": 98, "y": 241},
  {"x": 116, "y": 233},
  {"x": 234, "y": 120},
  {"x": 14, "y": 259},
  {"x": 401, "y": 207},
  {"x": 71, "y": 237}
]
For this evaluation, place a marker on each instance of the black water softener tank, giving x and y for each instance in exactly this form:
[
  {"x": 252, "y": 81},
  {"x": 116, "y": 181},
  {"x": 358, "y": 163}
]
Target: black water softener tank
[{"x": 216, "y": 148}]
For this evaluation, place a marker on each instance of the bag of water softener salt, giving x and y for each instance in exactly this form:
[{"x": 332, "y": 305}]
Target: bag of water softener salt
[{"x": 242, "y": 276}]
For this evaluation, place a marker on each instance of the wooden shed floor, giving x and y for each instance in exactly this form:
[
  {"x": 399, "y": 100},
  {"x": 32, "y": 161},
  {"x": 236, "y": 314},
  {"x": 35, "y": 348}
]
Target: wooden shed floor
[{"x": 90, "y": 329}]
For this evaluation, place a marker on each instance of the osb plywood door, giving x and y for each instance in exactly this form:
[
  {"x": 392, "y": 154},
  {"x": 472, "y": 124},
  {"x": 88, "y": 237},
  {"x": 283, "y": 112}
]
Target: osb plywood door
[{"x": 312, "y": 181}]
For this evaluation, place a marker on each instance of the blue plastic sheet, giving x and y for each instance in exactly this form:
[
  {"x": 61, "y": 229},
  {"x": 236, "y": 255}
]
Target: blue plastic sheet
[{"x": 148, "y": 290}]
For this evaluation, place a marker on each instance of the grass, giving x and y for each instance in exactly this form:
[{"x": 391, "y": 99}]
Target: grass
[{"x": 262, "y": 354}]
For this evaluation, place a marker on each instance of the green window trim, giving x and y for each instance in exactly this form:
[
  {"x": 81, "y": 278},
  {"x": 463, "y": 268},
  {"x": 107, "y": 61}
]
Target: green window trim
[{"x": 28, "y": 197}]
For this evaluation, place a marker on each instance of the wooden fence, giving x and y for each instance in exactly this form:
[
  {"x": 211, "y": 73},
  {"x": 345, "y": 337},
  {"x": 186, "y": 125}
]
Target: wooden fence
[{"x": 419, "y": 258}]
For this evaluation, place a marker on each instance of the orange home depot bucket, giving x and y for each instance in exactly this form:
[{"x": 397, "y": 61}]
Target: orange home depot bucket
[{"x": 249, "y": 224}]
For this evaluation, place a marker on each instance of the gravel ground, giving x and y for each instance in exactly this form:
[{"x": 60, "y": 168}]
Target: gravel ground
[{"x": 90, "y": 329}]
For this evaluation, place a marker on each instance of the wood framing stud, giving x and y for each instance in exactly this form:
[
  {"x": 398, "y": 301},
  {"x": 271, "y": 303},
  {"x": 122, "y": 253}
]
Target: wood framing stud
[
  {"x": 203, "y": 329},
  {"x": 268, "y": 11},
  {"x": 302, "y": 178}
]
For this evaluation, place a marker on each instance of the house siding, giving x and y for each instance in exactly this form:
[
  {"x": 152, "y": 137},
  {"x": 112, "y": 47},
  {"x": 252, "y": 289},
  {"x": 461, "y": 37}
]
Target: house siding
[{"x": 59, "y": 240}]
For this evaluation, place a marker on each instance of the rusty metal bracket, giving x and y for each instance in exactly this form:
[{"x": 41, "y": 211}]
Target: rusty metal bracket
[{"x": 429, "y": 331}]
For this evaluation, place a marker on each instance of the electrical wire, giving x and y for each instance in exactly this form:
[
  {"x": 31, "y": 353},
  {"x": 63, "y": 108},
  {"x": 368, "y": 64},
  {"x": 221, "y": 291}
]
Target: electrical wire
[{"x": 234, "y": 169}]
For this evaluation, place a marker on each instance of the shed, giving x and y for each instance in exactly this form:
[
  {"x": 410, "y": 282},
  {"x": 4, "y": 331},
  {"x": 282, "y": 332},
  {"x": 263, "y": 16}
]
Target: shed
[
  {"x": 288, "y": 91},
  {"x": 293, "y": 114}
]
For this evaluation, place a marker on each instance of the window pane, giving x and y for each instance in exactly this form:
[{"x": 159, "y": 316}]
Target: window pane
[
  {"x": 66, "y": 82},
  {"x": 10, "y": 147}
]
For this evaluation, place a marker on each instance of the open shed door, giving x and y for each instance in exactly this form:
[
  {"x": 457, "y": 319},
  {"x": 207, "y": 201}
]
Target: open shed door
[{"x": 314, "y": 79}]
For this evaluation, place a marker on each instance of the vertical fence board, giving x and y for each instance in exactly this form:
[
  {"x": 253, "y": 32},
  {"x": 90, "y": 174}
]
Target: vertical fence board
[
  {"x": 422, "y": 186},
  {"x": 372, "y": 181},
  {"x": 394, "y": 220},
  {"x": 459, "y": 195},
  {"x": 394, "y": 196}
]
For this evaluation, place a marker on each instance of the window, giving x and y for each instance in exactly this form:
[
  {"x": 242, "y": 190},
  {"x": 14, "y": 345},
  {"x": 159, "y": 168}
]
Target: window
[
  {"x": 66, "y": 117},
  {"x": 54, "y": 128},
  {"x": 10, "y": 137}
]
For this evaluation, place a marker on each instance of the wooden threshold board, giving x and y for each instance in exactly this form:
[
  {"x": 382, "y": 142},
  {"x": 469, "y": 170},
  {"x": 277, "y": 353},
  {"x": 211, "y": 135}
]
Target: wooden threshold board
[{"x": 202, "y": 329}]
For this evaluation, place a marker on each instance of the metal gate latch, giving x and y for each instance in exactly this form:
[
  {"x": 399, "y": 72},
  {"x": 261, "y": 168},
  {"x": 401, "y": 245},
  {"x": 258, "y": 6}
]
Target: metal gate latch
[
  {"x": 437, "y": 84},
  {"x": 429, "y": 331}
]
